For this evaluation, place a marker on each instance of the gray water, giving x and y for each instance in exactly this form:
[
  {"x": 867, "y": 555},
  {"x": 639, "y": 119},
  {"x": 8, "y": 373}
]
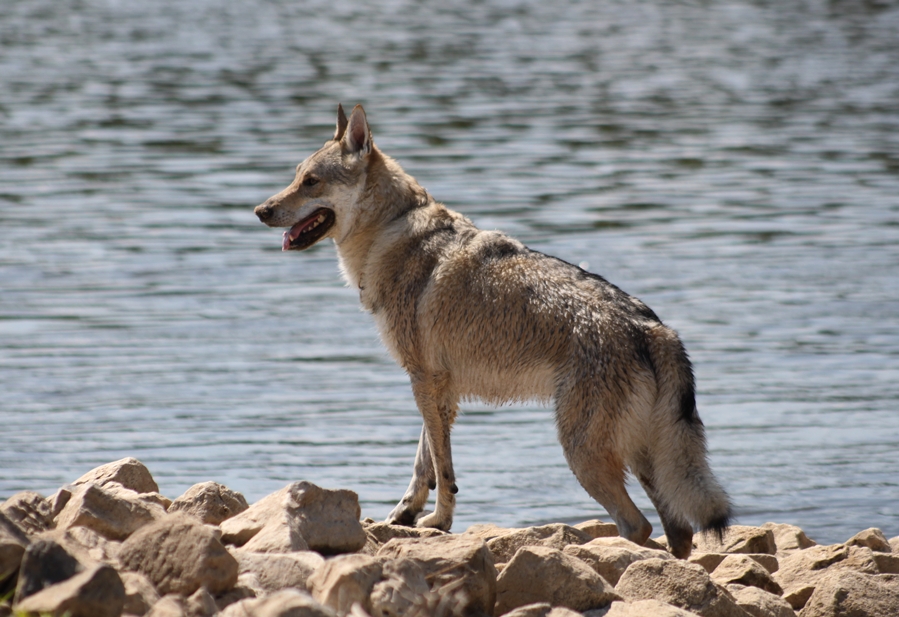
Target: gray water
[{"x": 735, "y": 165}]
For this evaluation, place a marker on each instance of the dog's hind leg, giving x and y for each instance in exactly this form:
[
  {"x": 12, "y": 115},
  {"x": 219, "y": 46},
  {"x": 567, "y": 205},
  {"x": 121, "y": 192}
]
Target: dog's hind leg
[
  {"x": 602, "y": 476},
  {"x": 423, "y": 481},
  {"x": 591, "y": 453},
  {"x": 678, "y": 532}
]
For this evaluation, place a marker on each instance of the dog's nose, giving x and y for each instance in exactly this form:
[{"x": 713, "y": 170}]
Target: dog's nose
[{"x": 264, "y": 211}]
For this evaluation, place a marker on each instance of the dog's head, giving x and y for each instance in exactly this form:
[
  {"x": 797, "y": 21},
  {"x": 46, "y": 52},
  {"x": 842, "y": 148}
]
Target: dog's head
[{"x": 320, "y": 202}]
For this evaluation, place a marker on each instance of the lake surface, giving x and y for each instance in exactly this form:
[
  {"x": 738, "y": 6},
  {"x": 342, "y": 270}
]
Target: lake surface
[{"x": 735, "y": 165}]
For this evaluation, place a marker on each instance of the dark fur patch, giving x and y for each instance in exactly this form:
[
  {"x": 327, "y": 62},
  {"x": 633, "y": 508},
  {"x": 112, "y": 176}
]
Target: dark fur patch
[
  {"x": 497, "y": 248},
  {"x": 643, "y": 353},
  {"x": 688, "y": 405},
  {"x": 610, "y": 292},
  {"x": 435, "y": 236}
]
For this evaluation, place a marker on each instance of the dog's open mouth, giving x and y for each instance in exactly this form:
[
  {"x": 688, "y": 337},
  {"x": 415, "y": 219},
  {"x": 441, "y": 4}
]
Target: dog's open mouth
[{"x": 308, "y": 231}]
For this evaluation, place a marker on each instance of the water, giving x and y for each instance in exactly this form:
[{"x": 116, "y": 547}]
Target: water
[{"x": 735, "y": 165}]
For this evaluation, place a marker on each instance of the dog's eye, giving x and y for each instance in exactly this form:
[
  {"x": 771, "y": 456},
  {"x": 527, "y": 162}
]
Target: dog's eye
[{"x": 310, "y": 181}]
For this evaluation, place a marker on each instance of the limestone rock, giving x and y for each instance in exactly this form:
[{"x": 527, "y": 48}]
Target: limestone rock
[
  {"x": 346, "y": 580},
  {"x": 797, "y": 595},
  {"x": 556, "y": 536},
  {"x": 86, "y": 545},
  {"x": 279, "y": 571},
  {"x": 281, "y": 534},
  {"x": 457, "y": 564},
  {"x": 58, "y": 501},
  {"x": 537, "y": 609},
  {"x": 709, "y": 561},
  {"x": 887, "y": 563},
  {"x": 769, "y": 562},
  {"x": 98, "y": 548},
  {"x": 894, "y": 544},
  {"x": 124, "y": 492},
  {"x": 610, "y": 556},
  {"x": 646, "y": 608},
  {"x": 286, "y": 603},
  {"x": 247, "y": 587},
  {"x": 140, "y": 594},
  {"x": 45, "y": 563},
  {"x": 200, "y": 604},
  {"x": 29, "y": 511},
  {"x": 800, "y": 571},
  {"x": 327, "y": 520},
  {"x": 561, "y": 611},
  {"x": 371, "y": 545},
  {"x": 488, "y": 531},
  {"x": 129, "y": 472},
  {"x": 119, "y": 490},
  {"x": 171, "y": 605},
  {"x": 598, "y": 528},
  {"x": 544, "y": 574},
  {"x": 402, "y": 590},
  {"x": 13, "y": 543},
  {"x": 760, "y": 603},
  {"x": 848, "y": 593},
  {"x": 153, "y": 498},
  {"x": 789, "y": 538},
  {"x": 96, "y": 592},
  {"x": 542, "y": 609},
  {"x": 871, "y": 538},
  {"x": 210, "y": 502},
  {"x": 179, "y": 555},
  {"x": 743, "y": 570},
  {"x": 738, "y": 539},
  {"x": 112, "y": 514},
  {"x": 250, "y": 587},
  {"x": 384, "y": 532},
  {"x": 682, "y": 584},
  {"x": 659, "y": 544}
]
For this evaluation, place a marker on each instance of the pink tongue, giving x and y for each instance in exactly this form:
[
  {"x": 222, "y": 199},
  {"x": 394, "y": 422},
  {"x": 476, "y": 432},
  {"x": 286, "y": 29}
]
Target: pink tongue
[{"x": 290, "y": 235}]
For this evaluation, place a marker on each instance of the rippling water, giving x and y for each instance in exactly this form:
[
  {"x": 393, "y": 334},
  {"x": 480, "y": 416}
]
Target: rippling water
[{"x": 735, "y": 165}]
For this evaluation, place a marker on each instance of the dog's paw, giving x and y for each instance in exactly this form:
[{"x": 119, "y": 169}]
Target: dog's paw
[
  {"x": 435, "y": 521},
  {"x": 402, "y": 515}
]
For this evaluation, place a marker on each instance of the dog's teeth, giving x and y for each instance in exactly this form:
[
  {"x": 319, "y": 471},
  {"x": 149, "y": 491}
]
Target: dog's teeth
[{"x": 318, "y": 221}]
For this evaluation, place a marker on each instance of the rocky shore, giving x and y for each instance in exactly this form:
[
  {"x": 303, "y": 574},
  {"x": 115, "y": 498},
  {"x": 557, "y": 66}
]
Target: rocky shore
[{"x": 109, "y": 544}]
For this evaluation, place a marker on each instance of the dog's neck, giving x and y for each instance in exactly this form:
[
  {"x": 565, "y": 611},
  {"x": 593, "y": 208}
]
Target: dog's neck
[
  {"x": 352, "y": 254},
  {"x": 389, "y": 194}
]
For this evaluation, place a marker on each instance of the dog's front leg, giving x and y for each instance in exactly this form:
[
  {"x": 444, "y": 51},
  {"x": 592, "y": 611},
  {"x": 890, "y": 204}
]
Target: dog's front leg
[
  {"x": 438, "y": 411},
  {"x": 423, "y": 480}
]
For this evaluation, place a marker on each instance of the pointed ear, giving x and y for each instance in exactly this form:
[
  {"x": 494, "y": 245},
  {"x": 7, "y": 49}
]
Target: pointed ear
[
  {"x": 357, "y": 139},
  {"x": 341, "y": 123}
]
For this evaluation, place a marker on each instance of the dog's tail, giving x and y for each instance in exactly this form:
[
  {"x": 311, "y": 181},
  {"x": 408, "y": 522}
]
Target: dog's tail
[{"x": 682, "y": 480}]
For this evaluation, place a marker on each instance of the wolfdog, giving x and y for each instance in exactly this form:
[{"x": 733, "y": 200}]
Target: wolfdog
[{"x": 476, "y": 314}]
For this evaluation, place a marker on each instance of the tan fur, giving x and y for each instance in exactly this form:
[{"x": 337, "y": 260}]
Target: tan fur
[{"x": 476, "y": 314}]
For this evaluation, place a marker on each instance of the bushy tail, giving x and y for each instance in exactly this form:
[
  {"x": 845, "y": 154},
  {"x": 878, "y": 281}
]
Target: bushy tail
[{"x": 682, "y": 480}]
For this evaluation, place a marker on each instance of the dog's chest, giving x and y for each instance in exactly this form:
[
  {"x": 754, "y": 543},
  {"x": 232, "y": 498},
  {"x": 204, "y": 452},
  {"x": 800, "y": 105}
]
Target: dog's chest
[{"x": 387, "y": 332}]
